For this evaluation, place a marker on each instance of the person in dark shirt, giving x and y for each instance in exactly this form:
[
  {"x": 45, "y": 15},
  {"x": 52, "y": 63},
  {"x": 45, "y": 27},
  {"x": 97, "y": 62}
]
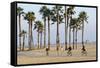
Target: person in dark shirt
[
  {"x": 47, "y": 53},
  {"x": 69, "y": 53},
  {"x": 70, "y": 48},
  {"x": 83, "y": 48},
  {"x": 84, "y": 52}
]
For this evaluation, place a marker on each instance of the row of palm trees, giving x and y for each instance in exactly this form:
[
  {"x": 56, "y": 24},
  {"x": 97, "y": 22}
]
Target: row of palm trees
[{"x": 57, "y": 15}]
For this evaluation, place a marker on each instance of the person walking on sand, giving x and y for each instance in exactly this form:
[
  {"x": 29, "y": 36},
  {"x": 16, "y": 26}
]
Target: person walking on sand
[
  {"x": 47, "y": 51},
  {"x": 69, "y": 52},
  {"x": 57, "y": 51},
  {"x": 84, "y": 52}
]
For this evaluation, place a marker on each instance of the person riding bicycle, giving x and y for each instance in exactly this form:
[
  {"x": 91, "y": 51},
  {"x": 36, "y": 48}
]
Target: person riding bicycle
[
  {"x": 69, "y": 51},
  {"x": 84, "y": 52}
]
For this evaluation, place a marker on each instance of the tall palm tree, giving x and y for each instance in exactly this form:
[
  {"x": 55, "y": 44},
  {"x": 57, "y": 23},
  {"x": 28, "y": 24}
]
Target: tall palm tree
[
  {"x": 40, "y": 31},
  {"x": 70, "y": 12},
  {"x": 66, "y": 28},
  {"x": 30, "y": 17},
  {"x": 23, "y": 33},
  {"x": 73, "y": 27},
  {"x": 19, "y": 13},
  {"x": 57, "y": 17},
  {"x": 39, "y": 26},
  {"x": 43, "y": 11},
  {"x": 77, "y": 27},
  {"x": 83, "y": 18},
  {"x": 49, "y": 14}
]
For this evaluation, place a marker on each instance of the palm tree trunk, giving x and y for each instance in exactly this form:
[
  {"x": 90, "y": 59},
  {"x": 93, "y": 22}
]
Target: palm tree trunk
[
  {"x": 48, "y": 33},
  {"x": 83, "y": 33},
  {"x": 31, "y": 36},
  {"x": 76, "y": 38},
  {"x": 69, "y": 36},
  {"x": 19, "y": 32},
  {"x": 65, "y": 30},
  {"x": 70, "y": 33},
  {"x": 38, "y": 40},
  {"x": 41, "y": 40},
  {"x": 44, "y": 33},
  {"x": 32, "y": 40},
  {"x": 73, "y": 38},
  {"x": 57, "y": 38},
  {"x": 23, "y": 42}
]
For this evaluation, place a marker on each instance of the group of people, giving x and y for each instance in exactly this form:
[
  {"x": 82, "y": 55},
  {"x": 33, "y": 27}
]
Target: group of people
[{"x": 69, "y": 51}]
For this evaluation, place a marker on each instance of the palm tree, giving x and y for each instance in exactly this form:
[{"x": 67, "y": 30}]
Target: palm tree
[
  {"x": 77, "y": 27},
  {"x": 49, "y": 14},
  {"x": 30, "y": 17},
  {"x": 70, "y": 12},
  {"x": 73, "y": 26},
  {"x": 39, "y": 26},
  {"x": 19, "y": 13},
  {"x": 23, "y": 33},
  {"x": 40, "y": 31},
  {"x": 57, "y": 16},
  {"x": 36, "y": 27},
  {"x": 83, "y": 18},
  {"x": 66, "y": 28},
  {"x": 43, "y": 11}
]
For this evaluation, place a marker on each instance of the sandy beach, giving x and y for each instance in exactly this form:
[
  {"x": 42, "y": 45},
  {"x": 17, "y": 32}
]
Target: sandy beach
[{"x": 39, "y": 56}]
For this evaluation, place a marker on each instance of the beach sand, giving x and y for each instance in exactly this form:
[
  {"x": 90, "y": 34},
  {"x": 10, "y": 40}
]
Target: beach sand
[{"x": 39, "y": 56}]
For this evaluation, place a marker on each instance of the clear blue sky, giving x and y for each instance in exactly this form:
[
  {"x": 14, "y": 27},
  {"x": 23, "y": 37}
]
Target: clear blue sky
[{"x": 89, "y": 31}]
